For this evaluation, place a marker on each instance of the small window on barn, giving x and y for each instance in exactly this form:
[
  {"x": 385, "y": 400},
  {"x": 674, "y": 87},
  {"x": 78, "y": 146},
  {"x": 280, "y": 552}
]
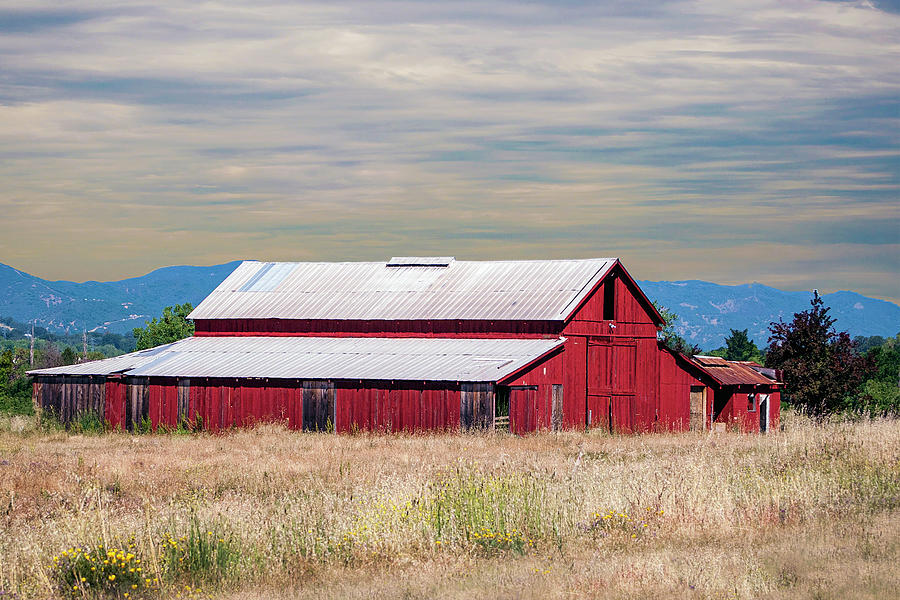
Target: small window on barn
[
  {"x": 609, "y": 299},
  {"x": 751, "y": 402}
]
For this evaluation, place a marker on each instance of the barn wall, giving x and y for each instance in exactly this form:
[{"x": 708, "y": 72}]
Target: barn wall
[
  {"x": 356, "y": 328},
  {"x": 736, "y": 411},
  {"x": 774, "y": 410},
  {"x": 216, "y": 404},
  {"x": 115, "y": 389},
  {"x": 402, "y": 406},
  {"x": 674, "y": 402},
  {"x": 531, "y": 411},
  {"x": 69, "y": 398}
]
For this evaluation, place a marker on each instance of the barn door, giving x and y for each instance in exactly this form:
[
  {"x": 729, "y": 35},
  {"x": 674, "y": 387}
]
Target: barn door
[
  {"x": 763, "y": 413},
  {"x": 621, "y": 412},
  {"x": 476, "y": 405},
  {"x": 523, "y": 409},
  {"x": 698, "y": 408},
  {"x": 556, "y": 409},
  {"x": 597, "y": 412},
  {"x": 612, "y": 366},
  {"x": 318, "y": 406}
]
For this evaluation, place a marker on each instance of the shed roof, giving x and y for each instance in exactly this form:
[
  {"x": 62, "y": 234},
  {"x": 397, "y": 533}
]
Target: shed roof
[
  {"x": 728, "y": 372},
  {"x": 412, "y": 359},
  {"x": 406, "y": 288}
]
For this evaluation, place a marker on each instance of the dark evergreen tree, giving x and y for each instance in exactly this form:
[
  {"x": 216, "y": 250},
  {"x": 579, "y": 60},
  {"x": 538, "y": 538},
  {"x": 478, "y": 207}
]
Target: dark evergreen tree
[
  {"x": 739, "y": 346},
  {"x": 69, "y": 356},
  {"x": 822, "y": 369}
]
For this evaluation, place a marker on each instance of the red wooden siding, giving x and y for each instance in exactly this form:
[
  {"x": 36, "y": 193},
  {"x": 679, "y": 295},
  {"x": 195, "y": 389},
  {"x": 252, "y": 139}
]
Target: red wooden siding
[
  {"x": 774, "y": 410},
  {"x": 224, "y": 403},
  {"x": 533, "y": 410},
  {"x": 733, "y": 408},
  {"x": 524, "y": 409},
  {"x": 400, "y": 406},
  {"x": 674, "y": 394},
  {"x": 115, "y": 403},
  {"x": 352, "y": 328}
]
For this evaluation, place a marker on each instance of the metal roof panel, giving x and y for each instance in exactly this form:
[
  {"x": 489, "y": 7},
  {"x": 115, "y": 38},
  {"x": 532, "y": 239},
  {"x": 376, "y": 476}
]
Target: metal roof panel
[
  {"x": 411, "y": 359},
  {"x": 484, "y": 290}
]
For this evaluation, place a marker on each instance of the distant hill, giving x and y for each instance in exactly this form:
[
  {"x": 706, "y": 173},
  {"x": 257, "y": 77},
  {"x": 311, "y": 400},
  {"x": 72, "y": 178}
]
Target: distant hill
[
  {"x": 116, "y": 306},
  {"x": 706, "y": 310}
]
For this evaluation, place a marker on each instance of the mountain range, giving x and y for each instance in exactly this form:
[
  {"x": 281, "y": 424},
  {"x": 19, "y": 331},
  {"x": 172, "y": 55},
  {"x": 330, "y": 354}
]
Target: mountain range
[{"x": 706, "y": 311}]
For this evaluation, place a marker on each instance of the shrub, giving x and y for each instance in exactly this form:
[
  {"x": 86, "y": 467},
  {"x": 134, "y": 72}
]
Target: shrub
[{"x": 94, "y": 570}]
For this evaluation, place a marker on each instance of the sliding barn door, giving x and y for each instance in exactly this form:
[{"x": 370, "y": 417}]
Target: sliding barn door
[{"x": 612, "y": 372}]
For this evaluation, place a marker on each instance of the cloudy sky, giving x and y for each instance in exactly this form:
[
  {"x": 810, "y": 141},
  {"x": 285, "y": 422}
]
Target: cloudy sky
[{"x": 729, "y": 141}]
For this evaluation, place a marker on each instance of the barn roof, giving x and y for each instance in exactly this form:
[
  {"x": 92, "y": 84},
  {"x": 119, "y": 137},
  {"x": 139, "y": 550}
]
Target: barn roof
[
  {"x": 406, "y": 288},
  {"x": 730, "y": 372},
  {"x": 108, "y": 366},
  {"x": 412, "y": 359}
]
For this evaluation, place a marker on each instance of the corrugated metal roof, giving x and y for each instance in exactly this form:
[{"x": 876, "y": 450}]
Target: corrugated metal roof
[
  {"x": 410, "y": 359},
  {"x": 546, "y": 290},
  {"x": 732, "y": 372},
  {"x": 108, "y": 366}
]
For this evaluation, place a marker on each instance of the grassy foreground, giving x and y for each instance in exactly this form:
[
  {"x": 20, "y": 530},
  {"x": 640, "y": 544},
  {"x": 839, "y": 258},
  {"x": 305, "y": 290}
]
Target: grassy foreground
[{"x": 806, "y": 512}]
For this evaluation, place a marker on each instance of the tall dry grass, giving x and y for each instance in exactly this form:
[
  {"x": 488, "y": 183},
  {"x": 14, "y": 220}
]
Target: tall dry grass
[{"x": 810, "y": 511}]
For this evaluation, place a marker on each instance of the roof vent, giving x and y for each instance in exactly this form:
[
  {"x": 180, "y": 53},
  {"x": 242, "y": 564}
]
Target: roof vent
[{"x": 420, "y": 261}]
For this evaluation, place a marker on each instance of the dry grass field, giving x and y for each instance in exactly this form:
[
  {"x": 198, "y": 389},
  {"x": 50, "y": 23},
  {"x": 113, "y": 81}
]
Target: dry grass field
[{"x": 807, "y": 512}]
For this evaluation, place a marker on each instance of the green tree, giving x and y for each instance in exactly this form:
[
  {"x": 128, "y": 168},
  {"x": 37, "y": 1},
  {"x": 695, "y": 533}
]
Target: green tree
[
  {"x": 69, "y": 356},
  {"x": 15, "y": 386},
  {"x": 171, "y": 327},
  {"x": 739, "y": 346},
  {"x": 822, "y": 370},
  {"x": 668, "y": 336},
  {"x": 880, "y": 394}
]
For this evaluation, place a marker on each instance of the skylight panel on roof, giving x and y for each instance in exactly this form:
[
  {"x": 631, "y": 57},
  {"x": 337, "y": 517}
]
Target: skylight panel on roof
[
  {"x": 420, "y": 261},
  {"x": 268, "y": 277}
]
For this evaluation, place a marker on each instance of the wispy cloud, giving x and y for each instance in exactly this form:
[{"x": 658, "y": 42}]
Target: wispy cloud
[{"x": 727, "y": 141}]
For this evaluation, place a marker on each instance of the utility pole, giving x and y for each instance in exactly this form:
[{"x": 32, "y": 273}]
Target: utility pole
[
  {"x": 32, "y": 344},
  {"x": 84, "y": 342}
]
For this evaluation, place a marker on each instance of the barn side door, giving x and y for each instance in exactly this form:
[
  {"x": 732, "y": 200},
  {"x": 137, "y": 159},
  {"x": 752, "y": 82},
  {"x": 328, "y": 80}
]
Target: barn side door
[
  {"x": 476, "y": 406},
  {"x": 698, "y": 408},
  {"x": 763, "y": 413},
  {"x": 556, "y": 410},
  {"x": 612, "y": 366},
  {"x": 523, "y": 408},
  {"x": 318, "y": 406}
]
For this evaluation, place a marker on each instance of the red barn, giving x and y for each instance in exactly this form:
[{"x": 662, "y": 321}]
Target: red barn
[{"x": 412, "y": 344}]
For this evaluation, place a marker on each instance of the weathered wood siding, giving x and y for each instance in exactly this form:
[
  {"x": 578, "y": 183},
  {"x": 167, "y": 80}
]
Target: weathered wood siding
[
  {"x": 476, "y": 406},
  {"x": 70, "y": 398}
]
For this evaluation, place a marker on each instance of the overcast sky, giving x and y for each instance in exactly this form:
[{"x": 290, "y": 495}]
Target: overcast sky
[{"x": 728, "y": 141}]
